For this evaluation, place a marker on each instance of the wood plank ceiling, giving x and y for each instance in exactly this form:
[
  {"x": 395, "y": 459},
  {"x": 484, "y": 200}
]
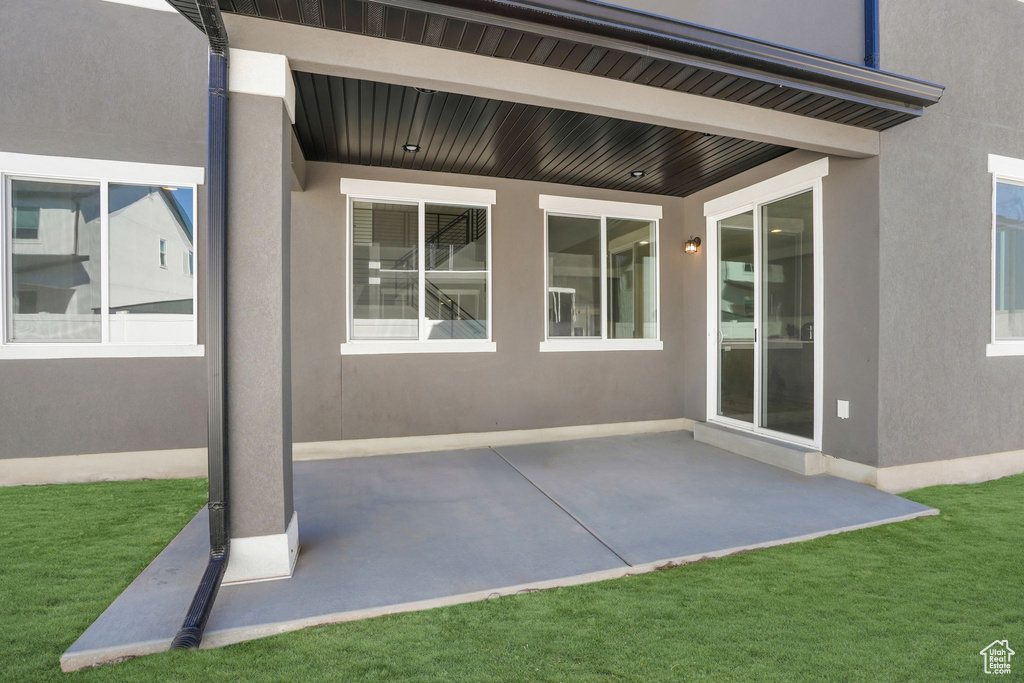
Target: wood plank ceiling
[{"x": 363, "y": 122}]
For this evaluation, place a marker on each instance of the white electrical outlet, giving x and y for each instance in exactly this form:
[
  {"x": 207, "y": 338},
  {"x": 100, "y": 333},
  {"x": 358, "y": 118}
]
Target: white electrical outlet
[{"x": 843, "y": 409}]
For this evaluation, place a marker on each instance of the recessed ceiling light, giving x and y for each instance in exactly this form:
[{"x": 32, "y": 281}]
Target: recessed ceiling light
[
  {"x": 426, "y": 91},
  {"x": 775, "y": 231},
  {"x": 638, "y": 174},
  {"x": 410, "y": 147}
]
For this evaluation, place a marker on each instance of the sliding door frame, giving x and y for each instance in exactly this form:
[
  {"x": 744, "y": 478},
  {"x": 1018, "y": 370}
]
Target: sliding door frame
[{"x": 754, "y": 198}]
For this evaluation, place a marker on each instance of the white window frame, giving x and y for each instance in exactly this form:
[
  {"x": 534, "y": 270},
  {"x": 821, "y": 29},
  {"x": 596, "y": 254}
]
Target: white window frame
[
  {"x": 161, "y": 252},
  {"x": 421, "y": 195},
  {"x": 752, "y": 198},
  {"x": 101, "y": 172},
  {"x": 1008, "y": 171},
  {"x": 576, "y": 207}
]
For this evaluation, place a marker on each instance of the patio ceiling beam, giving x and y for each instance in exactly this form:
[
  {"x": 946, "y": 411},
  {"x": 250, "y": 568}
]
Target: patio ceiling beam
[{"x": 373, "y": 59}]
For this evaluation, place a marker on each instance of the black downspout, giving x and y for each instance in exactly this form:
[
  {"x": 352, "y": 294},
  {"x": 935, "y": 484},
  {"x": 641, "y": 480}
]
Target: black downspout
[
  {"x": 872, "y": 55},
  {"x": 191, "y": 632}
]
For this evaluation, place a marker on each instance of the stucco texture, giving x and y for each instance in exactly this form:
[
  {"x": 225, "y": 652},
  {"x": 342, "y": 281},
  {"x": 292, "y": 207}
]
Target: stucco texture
[
  {"x": 103, "y": 81},
  {"x": 940, "y": 396}
]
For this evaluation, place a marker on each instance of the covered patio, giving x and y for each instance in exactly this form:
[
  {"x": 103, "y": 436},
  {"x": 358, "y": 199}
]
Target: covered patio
[
  {"x": 405, "y": 532},
  {"x": 356, "y": 175}
]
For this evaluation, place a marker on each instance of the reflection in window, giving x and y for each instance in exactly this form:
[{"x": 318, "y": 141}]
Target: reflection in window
[
  {"x": 574, "y": 276},
  {"x": 1009, "y": 267},
  {"x": 26, "y": 222},
  {"x": 150, "y": 302},
  {"x": 456, "y": 305},
  {"x": 55, "y": 272},
  {"x": 632, "y": 274},
  {"x": 386, "y": 277},
  {"x": 455, "y": 283},
  {"x": 455, "y": 237},
  {"x": 385, "y": 270},
  {"x": 581, "y": 251},
  {"x": 736, "y": 317},
  {"x": 787, "y": 301}
]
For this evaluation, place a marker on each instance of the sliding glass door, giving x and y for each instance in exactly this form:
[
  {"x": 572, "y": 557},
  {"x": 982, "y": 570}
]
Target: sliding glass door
[
  {"x": 766, "y": 303},
  {"x": 736, "y": 323}
]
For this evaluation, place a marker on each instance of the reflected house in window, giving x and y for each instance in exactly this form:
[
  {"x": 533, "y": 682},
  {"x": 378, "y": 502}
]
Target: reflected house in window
[
  {"x": 55, "y": 259},
  {"x": 150, "y": 302},
  {"x": 58, "y": 275}
]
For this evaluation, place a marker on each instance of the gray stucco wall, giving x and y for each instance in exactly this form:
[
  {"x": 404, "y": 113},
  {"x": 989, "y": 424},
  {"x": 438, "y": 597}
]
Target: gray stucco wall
[
  {"x": 941, "y": 397},
  {"x": 850, "y": 328},
  {"x": 259, "y": 414},
  {"x": 517, "y": 387},
  {"x": 99, "y": 80},
  {"x": 834, "y": 28}
]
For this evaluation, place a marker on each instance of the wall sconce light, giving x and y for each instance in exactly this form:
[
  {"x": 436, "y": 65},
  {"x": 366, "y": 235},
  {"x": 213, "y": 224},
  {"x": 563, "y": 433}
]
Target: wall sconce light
[{"x": 691, "y": 245}]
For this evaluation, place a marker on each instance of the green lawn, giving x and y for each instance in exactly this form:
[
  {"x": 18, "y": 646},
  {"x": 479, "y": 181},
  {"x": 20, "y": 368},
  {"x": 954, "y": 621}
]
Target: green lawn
[{"x": 915, "y": 600}]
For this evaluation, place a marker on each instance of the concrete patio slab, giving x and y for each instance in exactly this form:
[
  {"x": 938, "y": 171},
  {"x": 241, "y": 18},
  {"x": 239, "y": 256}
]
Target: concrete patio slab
[
  {"x": 658, "y": 497},
  {"x": 402, "y": 532}
]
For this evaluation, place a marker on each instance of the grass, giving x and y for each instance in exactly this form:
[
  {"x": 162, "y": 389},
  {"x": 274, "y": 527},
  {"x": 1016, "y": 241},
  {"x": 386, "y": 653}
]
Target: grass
[{"x": 910, "y": 601}]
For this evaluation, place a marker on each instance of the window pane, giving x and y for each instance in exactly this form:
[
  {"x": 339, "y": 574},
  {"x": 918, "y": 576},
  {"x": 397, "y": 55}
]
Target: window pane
[
  {"x": 787, "y": 309},
  {"x": 385, "y": 271},
  {"x": 632, "y": 284},
  {"x": 736, "y": 317},
  {"x": 150, "y": 227},
  {"x": 1009, "y": 261},
  {"x": 55, "y": 262},
  {"x": 574, "y": 276},
  {"x": 456, "y": 305},
  {"x": 455, "y": 237}
]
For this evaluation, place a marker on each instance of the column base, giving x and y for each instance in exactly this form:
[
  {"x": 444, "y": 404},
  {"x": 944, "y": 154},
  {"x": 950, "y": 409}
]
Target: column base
[{"x": 264, "y": 558}]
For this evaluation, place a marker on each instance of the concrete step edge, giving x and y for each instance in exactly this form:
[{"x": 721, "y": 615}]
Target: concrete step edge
[{"x": 790, "y": 457}]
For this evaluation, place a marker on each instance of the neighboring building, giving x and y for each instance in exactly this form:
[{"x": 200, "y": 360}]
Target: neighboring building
[
  {"x": 58, "y": 274},
  {"x": 450, "y": 218}
]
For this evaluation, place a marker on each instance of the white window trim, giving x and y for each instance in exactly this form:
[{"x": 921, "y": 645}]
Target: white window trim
[
  {"x": 369, "y": 347},
  {"x": 603, "y": 210},
  {"x": 102, "y": 172},
  {"x": 597, "y": 207},
  {"x": 110, "y": 350},
  {"x": 561, "y": 345},
  {"x": 159, "y": 5},
  {"x": 1007, "y": 170},
  {"x": 802, "y": 179},
  {"x": 414, "y": 193}
]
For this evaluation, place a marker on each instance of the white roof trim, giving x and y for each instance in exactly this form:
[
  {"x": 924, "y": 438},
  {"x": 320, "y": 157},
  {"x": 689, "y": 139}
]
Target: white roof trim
[
  {"x": 758, "y": 191},
  {"x": 262, "y": 73},
  {"x": 599, "y": 207},
  {"x": 381, "y": 189},
  {"x": 99, "y": 169}
]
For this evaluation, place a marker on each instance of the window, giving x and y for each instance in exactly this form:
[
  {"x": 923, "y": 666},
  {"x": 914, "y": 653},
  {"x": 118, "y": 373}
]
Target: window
[
  {"x": 419, "y": 268},
  {"x": 601, "y": 275},
  {"x": 77, "y": 260},
  {"x": 188, "y": 265},
  {"x": 26, "y": 222},
  {"x": 1008, "y": 256}
]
